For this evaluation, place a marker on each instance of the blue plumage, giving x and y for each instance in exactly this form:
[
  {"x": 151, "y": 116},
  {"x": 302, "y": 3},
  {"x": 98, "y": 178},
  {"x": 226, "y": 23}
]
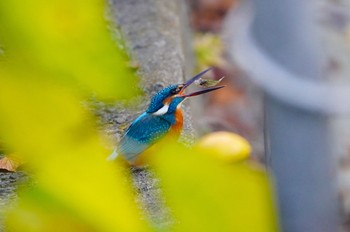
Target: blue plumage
[
  {"x": 157, "y": 121},
  {"x": 146, "y": 130},
  {"x": 157, "y": 101}
]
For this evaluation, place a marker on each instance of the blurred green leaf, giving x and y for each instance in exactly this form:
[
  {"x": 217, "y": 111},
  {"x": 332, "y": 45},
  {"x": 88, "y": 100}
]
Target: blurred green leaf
[{"x": 209, "y": 50}]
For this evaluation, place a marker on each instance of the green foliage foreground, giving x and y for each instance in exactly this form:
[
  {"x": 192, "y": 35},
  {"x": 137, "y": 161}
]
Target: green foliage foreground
[{"x": 55, "y": 53}]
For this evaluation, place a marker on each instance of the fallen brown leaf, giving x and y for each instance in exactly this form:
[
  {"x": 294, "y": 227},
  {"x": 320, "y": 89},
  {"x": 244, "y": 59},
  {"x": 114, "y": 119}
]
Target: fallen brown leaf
[{"x": 10, "y": 163}]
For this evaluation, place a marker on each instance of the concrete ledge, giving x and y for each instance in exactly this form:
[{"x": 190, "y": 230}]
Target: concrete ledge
[{"x": 159, "y": 39}]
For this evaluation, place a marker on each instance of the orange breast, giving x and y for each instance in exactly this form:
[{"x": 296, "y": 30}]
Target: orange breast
[{"x": 177, "y": 127}]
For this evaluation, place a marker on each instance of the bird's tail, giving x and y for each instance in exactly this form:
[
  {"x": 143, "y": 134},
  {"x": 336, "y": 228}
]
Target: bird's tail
[{"x": 113, "y": 156}]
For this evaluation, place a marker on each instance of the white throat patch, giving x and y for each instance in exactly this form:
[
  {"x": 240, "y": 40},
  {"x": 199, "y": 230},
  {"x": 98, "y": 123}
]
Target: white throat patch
[
  {"x": 179, "y": 105},
  {"x": 162, "y": 110}
]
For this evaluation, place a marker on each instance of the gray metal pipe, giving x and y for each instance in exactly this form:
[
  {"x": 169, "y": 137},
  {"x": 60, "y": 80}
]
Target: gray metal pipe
[
  {"x": 299, "y": 139},
  {"x": 282, "y": 40}
]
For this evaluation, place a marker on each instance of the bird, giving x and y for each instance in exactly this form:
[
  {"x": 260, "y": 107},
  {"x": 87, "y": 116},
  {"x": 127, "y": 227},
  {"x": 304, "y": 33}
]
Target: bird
[{"x": 163, "y": 116}]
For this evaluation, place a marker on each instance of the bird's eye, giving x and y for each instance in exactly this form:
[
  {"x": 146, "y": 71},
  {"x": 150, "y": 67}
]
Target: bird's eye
[{"x": 175, "y": 91}]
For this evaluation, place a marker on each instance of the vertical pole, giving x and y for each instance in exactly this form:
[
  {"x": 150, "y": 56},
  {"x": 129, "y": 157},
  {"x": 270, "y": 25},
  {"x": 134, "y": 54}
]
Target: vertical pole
[{"x": 299, "y": 147}]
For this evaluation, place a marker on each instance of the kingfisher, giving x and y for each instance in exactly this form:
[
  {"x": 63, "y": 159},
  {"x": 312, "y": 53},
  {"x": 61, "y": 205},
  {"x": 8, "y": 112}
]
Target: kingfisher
[{"x": 163, "y": 116}]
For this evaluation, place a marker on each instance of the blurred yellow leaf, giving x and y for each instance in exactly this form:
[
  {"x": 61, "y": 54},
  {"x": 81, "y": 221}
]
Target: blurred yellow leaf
[
  {"x": 46, "y": 124},
  {"x": 68, "y": 38},
  {"x": 206, "y": 195},
  {"x": 38, "y": 211},
  {"x": 226, "y": 146},
  {"x": 55, "y": 54}
]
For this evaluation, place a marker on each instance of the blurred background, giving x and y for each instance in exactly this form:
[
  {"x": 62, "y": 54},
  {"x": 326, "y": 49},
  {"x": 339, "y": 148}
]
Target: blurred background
[{"x": 75, "y": 74}]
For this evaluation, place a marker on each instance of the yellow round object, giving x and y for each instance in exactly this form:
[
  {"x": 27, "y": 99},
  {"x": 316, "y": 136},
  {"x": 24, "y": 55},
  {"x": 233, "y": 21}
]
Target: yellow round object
[{"x": 225, "y": 146}]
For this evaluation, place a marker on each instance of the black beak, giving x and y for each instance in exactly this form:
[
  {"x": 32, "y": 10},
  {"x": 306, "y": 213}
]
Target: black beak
[
  {"x": 190, "y": 81},
  {"x": 203, "y": 91},
  {"x": 193, "y": 79}
]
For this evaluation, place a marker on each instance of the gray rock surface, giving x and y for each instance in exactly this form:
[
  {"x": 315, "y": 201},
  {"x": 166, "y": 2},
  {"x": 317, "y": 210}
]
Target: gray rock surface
[
  {"x": 149, "y": 198},
  {"x": 158, "y": 39},
  {"x": 8, "y": 187}
]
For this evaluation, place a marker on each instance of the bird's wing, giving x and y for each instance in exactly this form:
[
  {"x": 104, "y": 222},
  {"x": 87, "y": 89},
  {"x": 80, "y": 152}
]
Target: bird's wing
[
  {"x": 141, "y": 134},
  {"x": 135, "y": 121}
]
